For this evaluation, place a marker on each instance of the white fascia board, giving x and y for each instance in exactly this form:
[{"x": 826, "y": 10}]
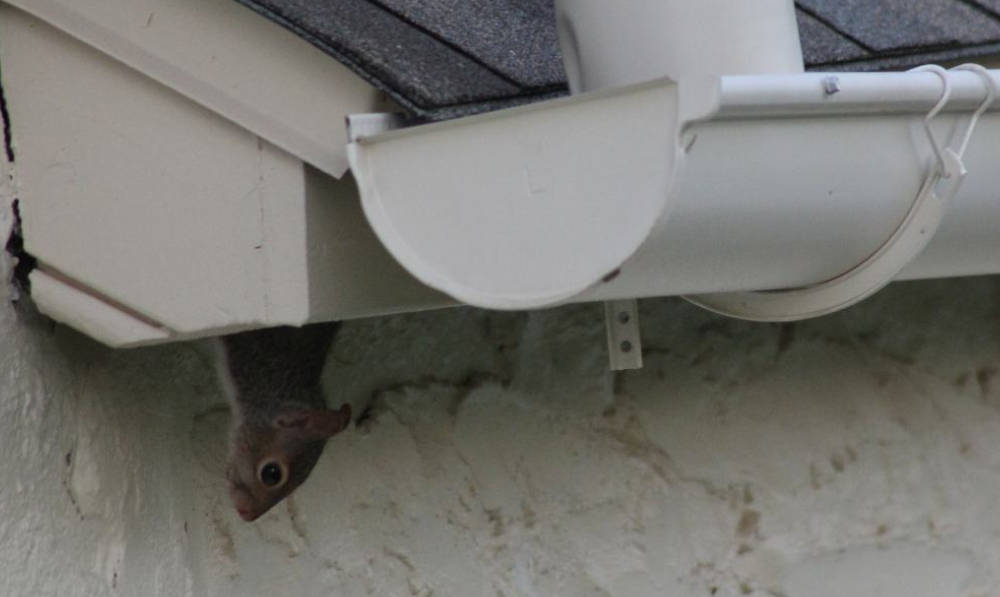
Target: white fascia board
[
  {"x": 90, "y": 314},
  {"x": 140, "y": 195},
  {"x": 784, "y": 184},
  {"x": 230, "y": 60},
  {"x": 154, "y": 219}
]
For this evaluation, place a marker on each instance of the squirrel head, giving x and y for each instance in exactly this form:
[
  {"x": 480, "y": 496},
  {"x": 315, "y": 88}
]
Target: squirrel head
[{"x": 268, "y": 461}]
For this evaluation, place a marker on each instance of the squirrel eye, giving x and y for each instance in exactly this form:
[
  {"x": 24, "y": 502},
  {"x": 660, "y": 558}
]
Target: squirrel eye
[{"x": 271, "y": 474}]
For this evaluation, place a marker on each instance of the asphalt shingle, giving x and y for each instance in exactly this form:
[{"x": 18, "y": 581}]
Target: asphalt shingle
[
  {"x": 517, "y": 38},
  {"x": 447, "y": 58},
  {"x": 992, "y": 6},
  {"x": 822, "y": 45},
  {"x": 417, "y": 69},
  {"x": 887, "y": 25}
]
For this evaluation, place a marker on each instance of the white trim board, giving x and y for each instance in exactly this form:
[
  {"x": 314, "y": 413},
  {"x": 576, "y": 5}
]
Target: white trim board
[
  {"x": 230, "y": 60},
  {"x": 155, "y": 219}
]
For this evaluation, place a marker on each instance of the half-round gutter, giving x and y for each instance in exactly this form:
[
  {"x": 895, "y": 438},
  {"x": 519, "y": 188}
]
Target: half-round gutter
[
  {"x": 714, "y": 184},
  {"x": 503, "y": 210}
]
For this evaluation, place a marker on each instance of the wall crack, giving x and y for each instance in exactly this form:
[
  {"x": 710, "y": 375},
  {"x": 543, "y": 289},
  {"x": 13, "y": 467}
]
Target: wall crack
[
  {"x": 8, "y": 140},
  {"x": 24, "y": 262}
]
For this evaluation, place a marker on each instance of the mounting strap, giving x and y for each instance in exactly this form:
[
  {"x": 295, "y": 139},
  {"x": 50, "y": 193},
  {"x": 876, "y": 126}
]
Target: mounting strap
[{"x": 906, "y": 242}]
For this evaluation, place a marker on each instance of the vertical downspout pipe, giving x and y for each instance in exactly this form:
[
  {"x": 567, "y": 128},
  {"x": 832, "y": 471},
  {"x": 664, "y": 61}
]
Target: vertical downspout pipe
[{"x": 613, "y": 44}]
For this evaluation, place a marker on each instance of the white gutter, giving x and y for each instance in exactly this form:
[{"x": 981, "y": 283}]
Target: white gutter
[{"x": 715, "y": 184}]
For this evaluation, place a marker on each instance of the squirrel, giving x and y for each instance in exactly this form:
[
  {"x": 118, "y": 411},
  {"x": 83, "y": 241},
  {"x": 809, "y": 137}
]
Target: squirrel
[{"x": 280, "y": 423}]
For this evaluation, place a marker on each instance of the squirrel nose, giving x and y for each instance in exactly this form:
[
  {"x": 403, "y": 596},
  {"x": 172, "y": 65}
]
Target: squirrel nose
[{"x": 242, "y": 502}]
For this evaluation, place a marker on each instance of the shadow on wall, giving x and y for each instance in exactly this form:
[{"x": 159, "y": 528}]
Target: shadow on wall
[{"x": 497, "y": 455}]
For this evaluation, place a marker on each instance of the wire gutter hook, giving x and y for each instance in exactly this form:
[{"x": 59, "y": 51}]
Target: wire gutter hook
[{"x": 905, "y": 243}]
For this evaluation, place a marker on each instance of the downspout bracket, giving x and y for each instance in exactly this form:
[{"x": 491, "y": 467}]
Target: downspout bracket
[{"x": 621, "y": 320}]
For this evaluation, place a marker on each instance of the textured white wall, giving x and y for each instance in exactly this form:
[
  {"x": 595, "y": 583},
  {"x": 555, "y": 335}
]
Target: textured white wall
[
  {"x": 96, "y": 471},
  {"x": 857, "y": 454}
]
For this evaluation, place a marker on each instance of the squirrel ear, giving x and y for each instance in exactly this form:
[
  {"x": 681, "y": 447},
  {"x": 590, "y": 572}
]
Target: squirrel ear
[{"x": 315, "y": 423}]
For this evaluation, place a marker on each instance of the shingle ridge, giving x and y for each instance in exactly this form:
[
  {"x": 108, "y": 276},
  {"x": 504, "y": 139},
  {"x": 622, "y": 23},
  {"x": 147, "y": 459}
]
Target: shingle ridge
[{"x": 446, "y": 43}]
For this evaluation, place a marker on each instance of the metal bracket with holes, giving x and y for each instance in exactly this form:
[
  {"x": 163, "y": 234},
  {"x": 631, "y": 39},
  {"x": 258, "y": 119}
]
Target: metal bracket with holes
[{"x": 621, "y": 319}]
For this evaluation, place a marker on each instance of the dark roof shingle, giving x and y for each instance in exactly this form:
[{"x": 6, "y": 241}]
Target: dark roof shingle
[
  {"x": 390, "y": 53},
  {"x": 514, "y": 38},
  {"x": 888, "y": 25},
  {"x": 821, "y": 43},
  {"x": 446, "y": 58}
]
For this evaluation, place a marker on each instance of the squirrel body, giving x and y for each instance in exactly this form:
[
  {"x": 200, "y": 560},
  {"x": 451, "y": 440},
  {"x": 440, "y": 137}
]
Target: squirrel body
[{"x": 271, "y": 378}]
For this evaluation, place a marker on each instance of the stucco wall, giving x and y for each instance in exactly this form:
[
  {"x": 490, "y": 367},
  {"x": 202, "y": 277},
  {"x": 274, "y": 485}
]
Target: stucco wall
[{"x": 500, "y": 457}]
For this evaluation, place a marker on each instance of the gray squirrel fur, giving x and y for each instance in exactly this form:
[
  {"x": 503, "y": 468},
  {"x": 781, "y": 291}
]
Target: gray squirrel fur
[{"x": 271, "y": 378}]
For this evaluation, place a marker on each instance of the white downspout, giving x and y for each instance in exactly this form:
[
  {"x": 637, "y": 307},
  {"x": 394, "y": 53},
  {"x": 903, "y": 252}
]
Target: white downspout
[
  {"x": 715, "y": 184},
  {"x": 613, "y": 44}
]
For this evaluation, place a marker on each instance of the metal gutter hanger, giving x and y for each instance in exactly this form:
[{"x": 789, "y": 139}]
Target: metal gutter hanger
[{"x": 907, "y": 241}]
